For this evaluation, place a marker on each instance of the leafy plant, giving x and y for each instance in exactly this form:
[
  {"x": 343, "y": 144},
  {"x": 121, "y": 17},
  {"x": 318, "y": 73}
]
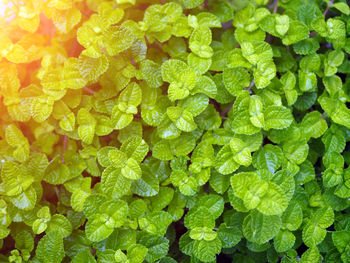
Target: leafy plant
[{"x": 174, "y": 131}]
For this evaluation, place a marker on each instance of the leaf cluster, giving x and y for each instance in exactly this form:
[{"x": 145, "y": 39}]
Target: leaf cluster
[{"x": 175, "y": 131}]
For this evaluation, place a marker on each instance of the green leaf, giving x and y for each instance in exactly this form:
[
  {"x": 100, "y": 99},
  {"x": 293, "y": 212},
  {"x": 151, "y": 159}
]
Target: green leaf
[
  {"x": 282, "y": 24},
  {"x": 335, "y": 28},
  {"x": 224, "y": 162},
  {"x": 182, "y": 79},
  {"x": 120, "y": 120},
  {"x": 26, "y": 200},
  {"x": 92, "y": 204},
  {"x": 200, "y": 217},
  {"x": 208, "y": 19},
  {"x": 297, "y": 31},
  {"x": 91, "y": 68},
  {"x": 190, "y": 4},
  {"x": 324, "y": 217},
  {"x": 284, "y": 241},
  {"x": 306, "y": 173},
  {"x": 103, "y": 155},
  {"x": 236, "y": 79},
  {"x": 277, "y": 117},
  {"x": 242, "y": 124},
  {"x": 313, "y": 234},
  {"x": 260, "y": 228},
  {"x": 39, "y": 226},
  {"x": 342, "y": 7},
  {"x": 313, "y": 125},
  {"x": 135, "y": 147},
  {"x": 289, "y": 80},
  {"x": 274, "y": 202},
  {"x": 205, "y": 85},
  {"x": 96, "y": 228},
  {"x": 131, "y": 170},
  {"x": 296, "y": 152},
  {"x": 182, "y": 118},
  {"x": 311, "y": 255},
  {"x": 269, "y": 157},
  {"x": 77, "y": 200},
  {"x": 200, "y": 65},
  {"x": 157, "y": 246},
  {"x": 156, "y": 222},
  {"x": 275, "y": 24},
  {"x": 117, "y": 39},
  {"x": 285, "y": 181},
  {"x": 147, "y": 185},
  {"x": 14, "y": 137},
  {"x": 187, "y": 185},
  {"x": 117, "y": 158},
  {"x": 219, "y": 182},
  {"x": 241, "y": 153},
  {"x": 50, "y": 248},
  {"x": 195, "y": 104},
  {"x": 117, "y": 210},
  {"x": 256, "y": 51},
  {"x": 107, "y": 255},
  {"x": 202, "y": 233},
  {"x": 129, "y": 99},
  {"x": 41, "y": 109},
  {"x": 87, "y": 124},
  {"x": 60, "y": 224},
  {"x": 13, "y": 180},
  {"x": 84, "y": 256},
  {"x": 151, "y": 73},
  {"x": 119, "y": 256},
  {"x": 307, "y": 81},
  {"x": 310, "y": 63},
  {"x": 4, "y": 232},
  {"x": 137, "y": 253},
  {"x": 306, "y": 46},
  {"x": 248, "y": 187},
  {"x": 203, "y": 155},
  {"x": 200, "y": 40},
  {"x": 292, "y": 216},
  {"x": 163, "y": 199},
  {"x": 214, "y": 203},
  {"x": 186, "y": 244},
  {"x": 229, "y": 236},
  {"x": 222, "y": 9},
  {"x": 206, "y": 250},
  {"x": 341, "y": 240},
  {"x": 338, "y": 111},
  {"x": 334, "y": 140},
  {"x": 24, "y": 241},
  {"x": 264, "y": 73},
  {"x": 114, "y": 184}
]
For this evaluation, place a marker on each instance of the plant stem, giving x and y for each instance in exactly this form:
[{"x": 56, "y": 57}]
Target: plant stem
[
  {"x": 276, "y": 6},
  {"x": 89, "y": 90},
  {"x": 330, "y": 3},
  {"x": 314, "y": 33},
  {"x": 225, "y": 111},
  {"x": 251, "y": 85},
  {"x": 216, "y": 105},
  {"x": 65, "y": 145}
]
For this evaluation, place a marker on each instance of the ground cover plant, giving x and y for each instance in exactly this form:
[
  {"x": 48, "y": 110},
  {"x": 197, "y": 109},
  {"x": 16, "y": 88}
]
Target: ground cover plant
[{"x": 174, "y": 131}]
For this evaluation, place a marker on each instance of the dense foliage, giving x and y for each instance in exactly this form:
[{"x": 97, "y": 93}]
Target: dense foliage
[{"x": 175, "y": 131}]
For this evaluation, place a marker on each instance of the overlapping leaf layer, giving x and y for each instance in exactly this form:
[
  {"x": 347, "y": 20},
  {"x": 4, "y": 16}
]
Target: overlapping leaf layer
[{"x": 175, "y": 131}]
